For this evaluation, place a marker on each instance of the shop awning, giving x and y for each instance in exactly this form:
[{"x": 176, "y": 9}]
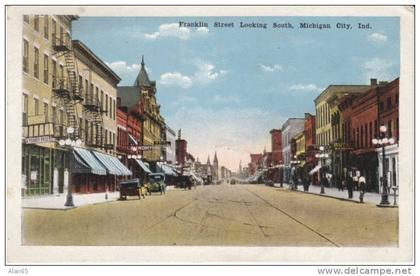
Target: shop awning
[
  {"x": 79, "y": 166},
  {"x": 123, "y": 169},
  {"x": 105, "y": 159},
  {"x": 167, "y": 170},
  {"x": 143, "y": 166},
  {"x": 89, "y": 159}
]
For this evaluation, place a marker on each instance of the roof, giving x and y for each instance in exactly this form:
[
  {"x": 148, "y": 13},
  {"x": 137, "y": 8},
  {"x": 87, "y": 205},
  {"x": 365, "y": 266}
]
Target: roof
[
  {"x": 142, "y": 79},
  {"x": 341, "y": 89},
  {"x": 85, "y": 51},
  {"x": 129, "y": 95}
]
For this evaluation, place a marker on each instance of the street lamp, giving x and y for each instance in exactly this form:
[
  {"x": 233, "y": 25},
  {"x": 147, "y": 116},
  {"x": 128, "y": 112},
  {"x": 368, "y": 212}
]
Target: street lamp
[
  {"x": 294, "y": 164},
  {"x": 383, "y": 141},
  {"x": 322, "y": 155},
  {"x": 70, "y": 143}
]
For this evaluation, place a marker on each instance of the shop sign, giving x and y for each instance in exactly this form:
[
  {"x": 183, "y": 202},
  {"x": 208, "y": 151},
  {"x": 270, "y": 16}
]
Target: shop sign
[
  {"x": 39, "y": 139},
  {"x": 150, "y": 147}
]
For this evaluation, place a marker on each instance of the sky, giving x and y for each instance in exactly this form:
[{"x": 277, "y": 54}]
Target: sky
[{"x": 226, "y": 88}]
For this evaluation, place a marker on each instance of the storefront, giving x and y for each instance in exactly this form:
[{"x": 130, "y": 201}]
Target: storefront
[{"x": 391, "y": 165}]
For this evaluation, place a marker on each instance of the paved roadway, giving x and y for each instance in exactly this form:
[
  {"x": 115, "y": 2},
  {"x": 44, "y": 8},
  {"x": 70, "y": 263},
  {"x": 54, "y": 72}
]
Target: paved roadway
[{"x": 217, "y": 215}]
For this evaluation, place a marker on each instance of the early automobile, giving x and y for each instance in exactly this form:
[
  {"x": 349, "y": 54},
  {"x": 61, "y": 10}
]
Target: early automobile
[
  {"x": 130, "y": 188},
  {"x": 156, "y": 183}
]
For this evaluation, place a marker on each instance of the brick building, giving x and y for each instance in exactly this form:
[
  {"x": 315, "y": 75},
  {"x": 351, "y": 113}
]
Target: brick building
[
  {"x": 388, "y": 99},
  {"x": 256, "y": 163},
  {"x": 276, "y": 155},
  {"x": 129, "y": 138},
  {"x": 310, "y": 146}
]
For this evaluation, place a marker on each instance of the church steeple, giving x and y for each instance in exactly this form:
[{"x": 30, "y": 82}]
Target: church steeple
[
  {"x": 215, "y": 161},
  {"x": 208, "y": 159},
  {"x": 142, "y": 79}
]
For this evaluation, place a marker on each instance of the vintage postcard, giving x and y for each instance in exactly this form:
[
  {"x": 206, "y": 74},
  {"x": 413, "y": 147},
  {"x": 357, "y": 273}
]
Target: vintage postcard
[{"x": 272, "y": 135}]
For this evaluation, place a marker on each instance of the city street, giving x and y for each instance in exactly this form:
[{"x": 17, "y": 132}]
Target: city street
[{"x": 217, "y": 215}]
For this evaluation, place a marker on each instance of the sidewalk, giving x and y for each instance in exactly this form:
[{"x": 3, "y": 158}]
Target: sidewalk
[
  {"x": 56, "y": 202},
  {"x": 333, "y": 192}
]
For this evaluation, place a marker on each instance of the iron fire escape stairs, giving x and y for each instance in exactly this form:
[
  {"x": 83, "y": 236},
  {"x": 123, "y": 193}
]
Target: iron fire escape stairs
[{"x": 68, "y": 91}]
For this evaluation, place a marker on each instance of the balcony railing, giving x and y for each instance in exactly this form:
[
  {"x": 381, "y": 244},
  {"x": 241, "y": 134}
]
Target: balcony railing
[{"x": 61, "y": 42}]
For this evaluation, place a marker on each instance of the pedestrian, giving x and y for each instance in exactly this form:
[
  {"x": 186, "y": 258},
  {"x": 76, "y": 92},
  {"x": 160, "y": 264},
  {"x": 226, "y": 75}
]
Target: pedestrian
[
  {"x": 362, "y": 188},
  {"x": 349, "y": 184},
  {"x": 305, "y": 183}
]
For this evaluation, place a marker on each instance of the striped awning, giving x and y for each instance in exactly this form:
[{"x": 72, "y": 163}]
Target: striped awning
[
  {"x": 167, "y": 170},
  {"x": 88, "y": 158},
  {"x": 79, "y": 166},
  {"x": 124, "y": 170},
  {"x": 143, "y": 166},
  {"x": 105, "y": 159}
]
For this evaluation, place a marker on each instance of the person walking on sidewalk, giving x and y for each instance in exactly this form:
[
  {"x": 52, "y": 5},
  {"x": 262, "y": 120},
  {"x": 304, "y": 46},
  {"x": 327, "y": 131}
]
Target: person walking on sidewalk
[
  {"x": 349, "y": 184},
  {"x": 362, "y": 188}
]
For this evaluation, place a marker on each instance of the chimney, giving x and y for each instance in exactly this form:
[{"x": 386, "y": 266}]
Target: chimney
[{"x": 373, "y": 82}]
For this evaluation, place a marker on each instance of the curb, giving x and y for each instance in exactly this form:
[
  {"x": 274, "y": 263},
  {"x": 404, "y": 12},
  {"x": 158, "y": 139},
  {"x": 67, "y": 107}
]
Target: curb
[{"x": 329, "y": 196}]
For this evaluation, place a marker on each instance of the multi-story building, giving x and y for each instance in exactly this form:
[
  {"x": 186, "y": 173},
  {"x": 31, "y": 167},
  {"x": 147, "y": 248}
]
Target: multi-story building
[
  {"x": 388, "y": 98},
  {"x": 129, "y": 136},
  {"x": 256, "y": 163},
  {"x": 310, "y": 147},
  {"x": 289, "y": 129},
  {"x": 329, "y": 124},
  {"x": 298, "y": 152},
  {"x": 143, "y": 95},
  {"x": 170, "y": 137},
  {"x": 61, "y": 102},
  {"x": 45, "y": 119},
  {"x": 181, "y": 150},
  {"x": 276, "y": 155},
  {"x": 361, "y": 121}
]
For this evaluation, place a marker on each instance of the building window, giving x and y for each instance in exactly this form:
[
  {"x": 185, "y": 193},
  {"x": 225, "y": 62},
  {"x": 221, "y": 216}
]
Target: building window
[
  {"x": 102, "y": 100},
  {"x": 86, "y": 130},
  {"x": 361, "y": 137},
  {"x": 396, "y": 98},
  {"x": 46, "y": 69},
  {"x": 54, "y": 114},
  {"x": 389, "y": 128},
  {"x": 61, "y": 36},
  {"x": 397, "y": 128},
  {"x": 62, "y": 72},
  {"x": 26, "y": 18},
  {"x": 106, "y": 137},
  {"x": 36, "y": 23},
  {"x": 25, "y": 110},
  {"x": 46, "y": 113},
  {"x": 381, "y": 106},
  {"x": 106, "y": 105},
  {"x": 388, "y": 103},
  {"x": 54, "y": 73},
  {"x": 46, "y": 27},
  {"x": 54, "y": 32},
  {"x": 36, "y": 106},
  {"x": 61, "y": 117},
  {"x": 36, "y": 62},
  {"x": 25, "y": 56},
  {"x": 370, "y": 133}
]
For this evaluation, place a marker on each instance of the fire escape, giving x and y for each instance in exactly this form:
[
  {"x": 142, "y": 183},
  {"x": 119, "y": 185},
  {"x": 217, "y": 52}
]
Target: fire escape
[
  {"x": 66, "y": 89},
  {"x": 93, "y": 113}
]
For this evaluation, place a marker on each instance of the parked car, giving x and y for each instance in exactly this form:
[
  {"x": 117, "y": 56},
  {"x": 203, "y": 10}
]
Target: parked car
[
  {"x": 129, "y": 188},
  {"x": 156, "y": 183},
  {"x": 232, "y": 182}
]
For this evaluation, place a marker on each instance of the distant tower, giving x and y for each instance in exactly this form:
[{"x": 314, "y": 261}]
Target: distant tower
[
  {"x": 215, "y": 167},
  {"x": 240, "y": 167},
  {"x": 208, "y": 166}
]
